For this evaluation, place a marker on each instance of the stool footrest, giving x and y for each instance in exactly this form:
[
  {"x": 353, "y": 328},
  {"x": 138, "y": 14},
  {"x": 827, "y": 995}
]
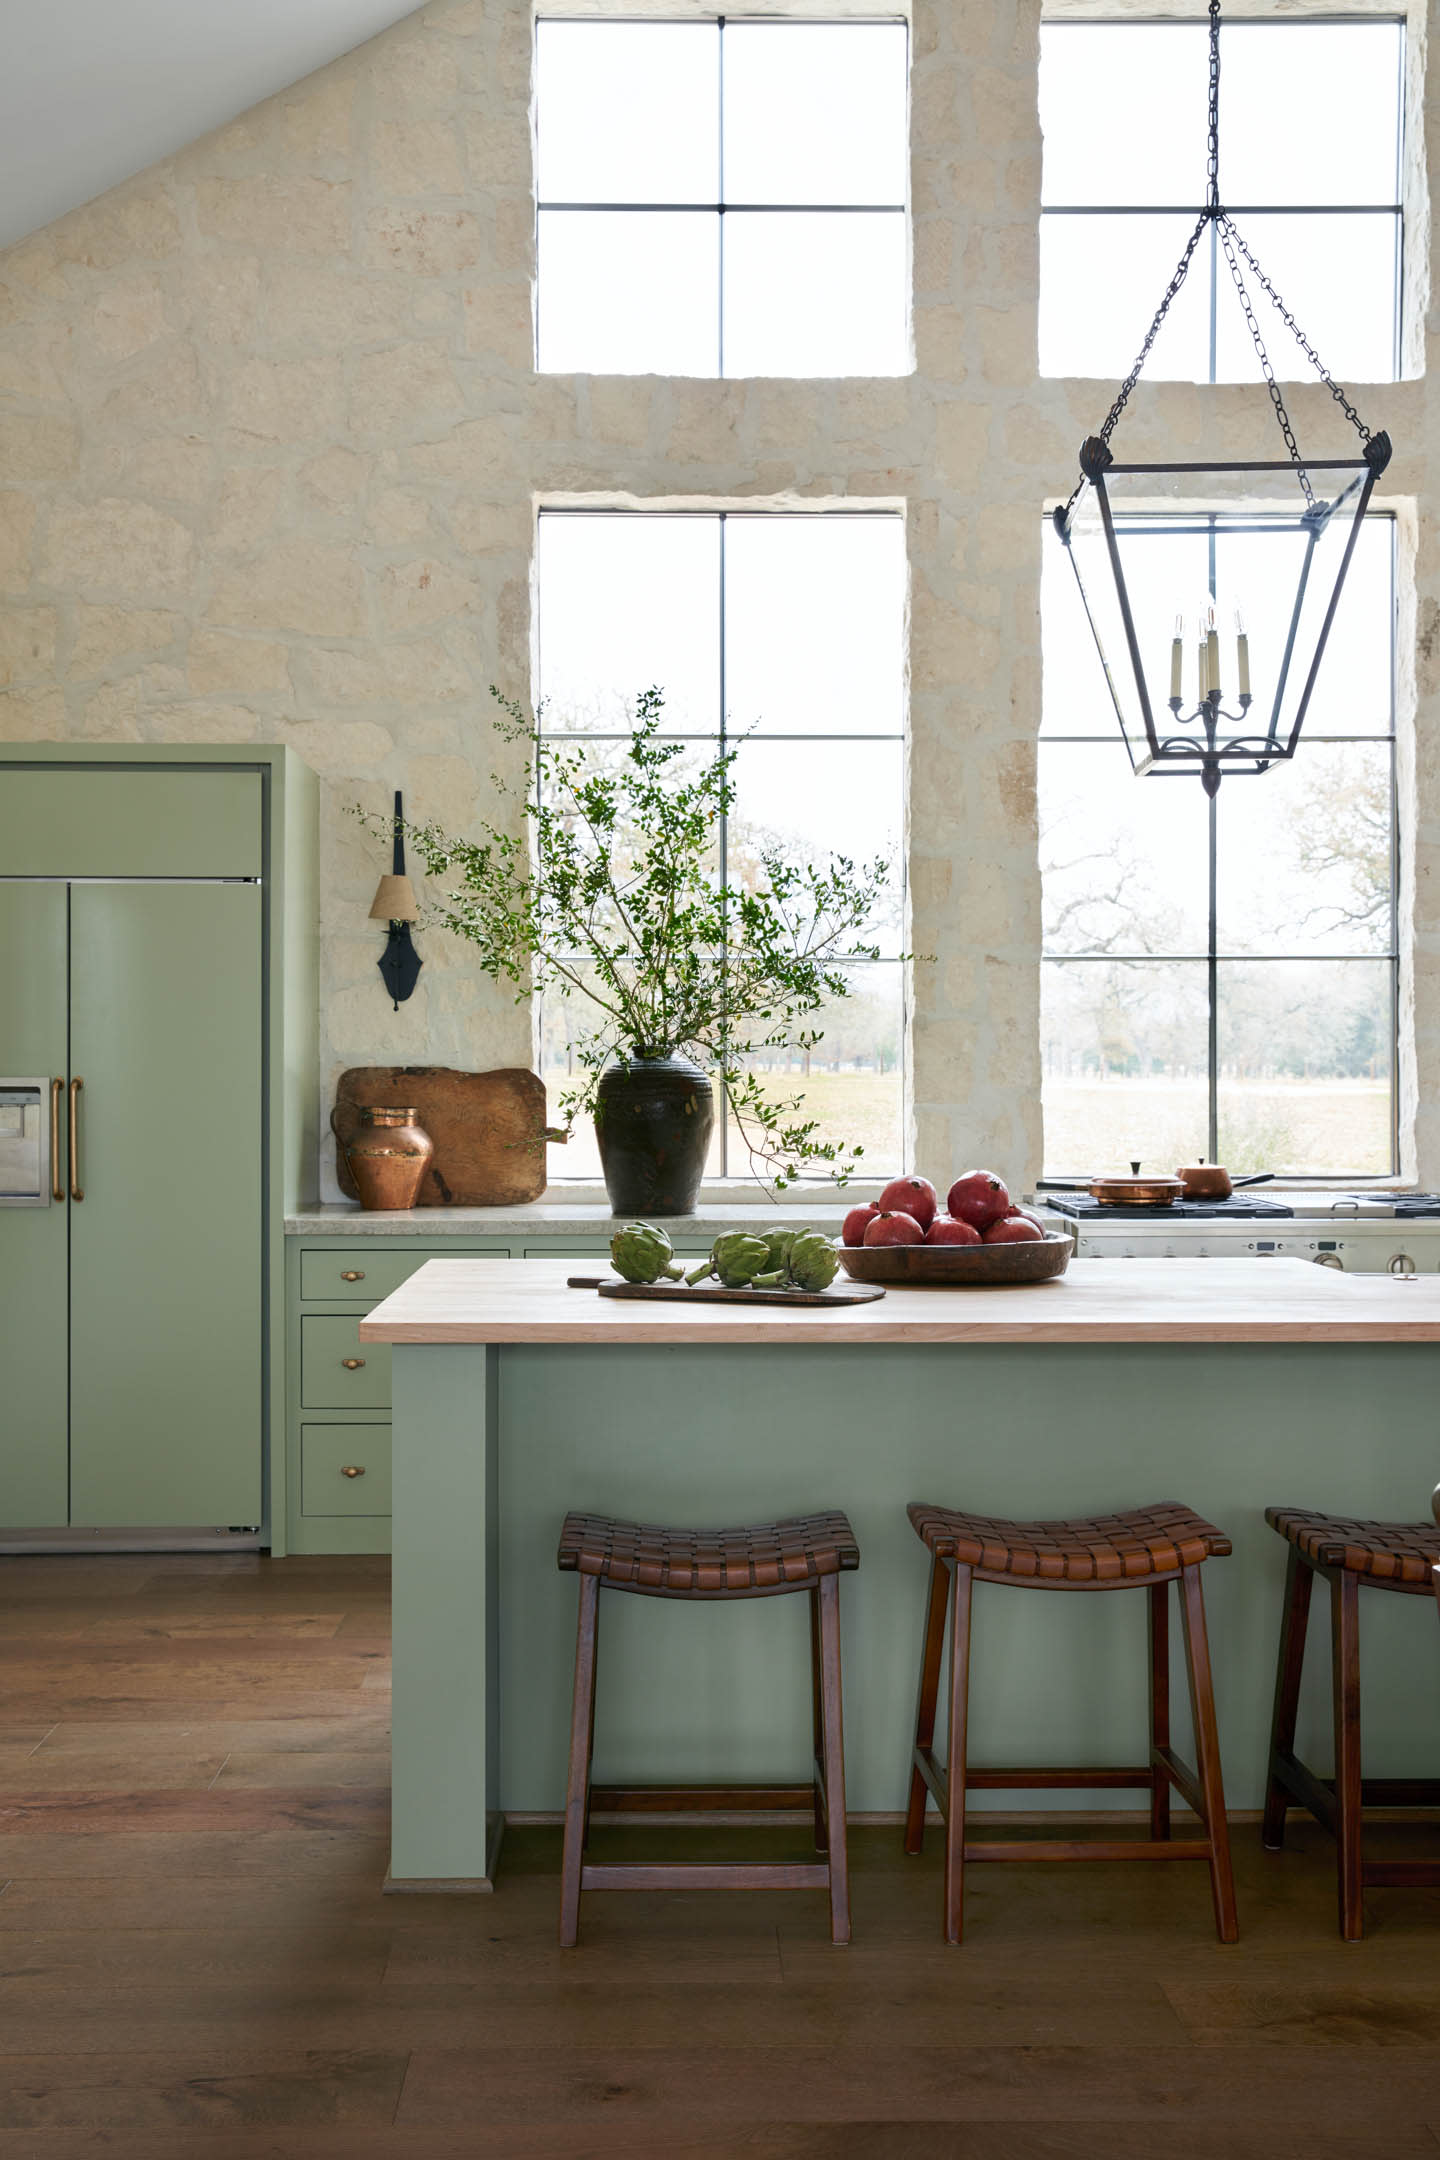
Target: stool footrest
[
  {"x": 1039, "y": 1780},
  {"x": 1401, "y": 1874},
  {"x": 695, "y": 1875},
  {"x": 697, "y": 1799},
  {"x": 1088, "y": 1849}
]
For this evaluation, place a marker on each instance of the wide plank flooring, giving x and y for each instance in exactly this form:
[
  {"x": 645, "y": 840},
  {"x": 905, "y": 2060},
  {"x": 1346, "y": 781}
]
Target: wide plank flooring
[{"x": 196, "y": 1962}]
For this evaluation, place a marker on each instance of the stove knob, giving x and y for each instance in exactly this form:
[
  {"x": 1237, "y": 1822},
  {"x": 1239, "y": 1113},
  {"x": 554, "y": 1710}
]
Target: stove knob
[
  {"x": 1329, "y": 1259},
  {"x": 1400, "y": 1263}
]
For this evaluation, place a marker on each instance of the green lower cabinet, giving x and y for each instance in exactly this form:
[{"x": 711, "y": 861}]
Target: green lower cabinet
[
  {"x": 337, "y": 1370},
  {"x": 345, "y": 1470}
]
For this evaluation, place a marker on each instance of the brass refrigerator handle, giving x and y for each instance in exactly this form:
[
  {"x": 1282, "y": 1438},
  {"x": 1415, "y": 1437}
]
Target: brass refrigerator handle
[
  {"x": 77, "y": 1190},
  {"x": 57, "y": 1187}
]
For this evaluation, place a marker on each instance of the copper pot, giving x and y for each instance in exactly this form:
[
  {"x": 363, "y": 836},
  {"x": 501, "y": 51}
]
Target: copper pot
[
  {"x": 1205, "y": 1181},
  {"x": 388, "y": 1157},
  {"x": 1136, "y": 1191}
]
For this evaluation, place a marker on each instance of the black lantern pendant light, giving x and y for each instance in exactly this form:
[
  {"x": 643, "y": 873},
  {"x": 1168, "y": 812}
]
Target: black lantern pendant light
[{"x": 1118, "y": 512}]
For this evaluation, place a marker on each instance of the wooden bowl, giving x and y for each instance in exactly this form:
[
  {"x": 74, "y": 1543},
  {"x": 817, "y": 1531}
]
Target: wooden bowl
[{"x": 958, "y": 1267}]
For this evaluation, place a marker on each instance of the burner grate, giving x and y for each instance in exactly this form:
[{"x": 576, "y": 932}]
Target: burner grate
[{"x": 1084, "y": 1207}]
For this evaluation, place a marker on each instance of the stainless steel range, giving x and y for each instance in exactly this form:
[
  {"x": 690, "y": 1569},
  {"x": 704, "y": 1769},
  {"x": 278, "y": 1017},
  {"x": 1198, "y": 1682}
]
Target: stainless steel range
[{"x": 1365, "y": 1233}]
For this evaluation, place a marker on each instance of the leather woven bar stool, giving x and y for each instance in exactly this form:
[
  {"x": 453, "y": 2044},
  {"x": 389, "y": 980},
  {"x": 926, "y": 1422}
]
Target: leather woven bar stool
[
  {"x": 1349, "y": 1554},
  {"x": 1147, "y": 1549},
  {"x": 807, "y": 1553}
]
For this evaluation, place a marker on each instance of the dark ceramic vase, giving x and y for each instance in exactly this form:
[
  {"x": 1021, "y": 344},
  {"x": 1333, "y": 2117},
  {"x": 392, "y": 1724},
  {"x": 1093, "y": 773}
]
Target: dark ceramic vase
[{"x": 653, "y": 1120}]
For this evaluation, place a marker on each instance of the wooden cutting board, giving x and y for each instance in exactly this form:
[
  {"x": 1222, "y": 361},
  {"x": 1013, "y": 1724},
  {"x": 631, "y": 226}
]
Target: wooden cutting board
[
  {"x": 716, "y": 1294},
  {"x": 489, "y": 1129}
]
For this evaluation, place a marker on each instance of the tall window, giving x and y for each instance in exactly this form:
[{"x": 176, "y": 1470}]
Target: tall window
[
  {"x": 1310, "y": 141},
  {"x": 722, "y": 198},
  {"x": 784, "y": 633},
  {"x": 1220, "y": 979}
]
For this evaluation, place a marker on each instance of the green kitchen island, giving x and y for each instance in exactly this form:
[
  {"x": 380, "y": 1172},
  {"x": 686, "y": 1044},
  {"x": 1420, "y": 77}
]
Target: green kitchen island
[{"x": 1228, "y": 1384}]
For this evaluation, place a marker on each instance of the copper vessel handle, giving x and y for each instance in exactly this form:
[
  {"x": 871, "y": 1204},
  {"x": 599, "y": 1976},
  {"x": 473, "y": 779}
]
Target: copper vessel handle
[
  {"x": 77, "y": 1190},
  {"x": 57, "y": 1185}
]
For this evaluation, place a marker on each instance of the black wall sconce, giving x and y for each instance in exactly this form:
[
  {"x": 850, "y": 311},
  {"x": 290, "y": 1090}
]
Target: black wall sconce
[{"x": 399, "y": 964}]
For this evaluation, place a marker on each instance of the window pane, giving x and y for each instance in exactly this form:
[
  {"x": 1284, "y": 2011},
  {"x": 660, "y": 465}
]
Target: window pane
[
  {"x": 627, "y": 112},
  {"x": 1337, "y": 275},
  {"x": 815, "y": 113},
  {"x": 1258, "y": 575},
  {"x": 1124, "y": 1052},
  {"x": 1304, "y": 852},
  {"x": 851, "y": 1083},
  {"x": 629, "y": 292},
  {"x": 815, "y": 625},
  {"x": 1309, "y": 112},
  {"x": 1124, "y": 863},
  {"x": 563, "y": 1022},
  {"x": 813, "y": 801},
  {"x": 628, "y": 604},
  {"x": 1305, "y": 1066},
  {"x": 1101, "y": 279},
  {"x": 1122, "y": 108},
  {"x": 818, "y": 294},
  {"x": 1167, "y": 573}
]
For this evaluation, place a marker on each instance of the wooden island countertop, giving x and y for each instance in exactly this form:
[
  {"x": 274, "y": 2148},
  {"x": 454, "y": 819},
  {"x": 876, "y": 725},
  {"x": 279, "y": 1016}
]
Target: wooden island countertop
[{"x": 1097, "y": 1301}]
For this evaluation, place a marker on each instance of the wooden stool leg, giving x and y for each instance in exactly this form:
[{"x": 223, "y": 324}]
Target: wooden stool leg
[
  {"x": 1345, "y": 1642},
  {"x": 1159, "y": 1707},
  {"x": 590, "y": 1750},
  {"x": 833, "y": 1723},
  {"x": 817, "y": 1721},
  {"x": 1299, "y": 1581},
  {"x": 1207, "y": 1752},
  {"x": 955, "y": 1777},
  {"x": 578, "y": 1788},
  {"x": 931, "y": 1650}
]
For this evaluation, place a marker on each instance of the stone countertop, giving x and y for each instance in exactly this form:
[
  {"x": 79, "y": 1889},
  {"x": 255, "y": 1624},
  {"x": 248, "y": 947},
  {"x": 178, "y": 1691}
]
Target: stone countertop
[
  {"x": 558, "y": 1218},
  {"x": 1098, "y": 1301}
]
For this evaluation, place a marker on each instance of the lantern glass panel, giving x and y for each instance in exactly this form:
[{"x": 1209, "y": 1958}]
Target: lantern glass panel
[{"x": 1302, "y": 558}]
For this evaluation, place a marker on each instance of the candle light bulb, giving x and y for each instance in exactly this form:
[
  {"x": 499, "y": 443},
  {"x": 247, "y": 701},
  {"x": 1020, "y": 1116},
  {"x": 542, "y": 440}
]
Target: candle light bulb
[
  {"x": 1202, "y": 660},
  {"x": 1175, "y": 658},
  {"x": 1242, "y": 654},
  {"x": 1212, "y": 653}
]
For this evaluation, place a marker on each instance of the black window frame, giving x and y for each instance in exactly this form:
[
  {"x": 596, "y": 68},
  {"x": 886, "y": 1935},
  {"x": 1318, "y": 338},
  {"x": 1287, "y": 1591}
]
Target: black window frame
[
  {"x": 1213, "y": 957},
  {"x": 721, "y": 736},
  {"x": 720, "y": 209},
  {"x": 1189, "y": 211}
]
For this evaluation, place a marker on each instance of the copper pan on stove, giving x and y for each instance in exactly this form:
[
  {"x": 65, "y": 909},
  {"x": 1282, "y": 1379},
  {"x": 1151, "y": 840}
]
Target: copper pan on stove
[{"x": 1136, "y": 1191}]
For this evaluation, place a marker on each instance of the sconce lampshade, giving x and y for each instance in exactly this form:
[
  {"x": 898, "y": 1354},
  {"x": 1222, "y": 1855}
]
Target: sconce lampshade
[{"x": 394, "y": 900}]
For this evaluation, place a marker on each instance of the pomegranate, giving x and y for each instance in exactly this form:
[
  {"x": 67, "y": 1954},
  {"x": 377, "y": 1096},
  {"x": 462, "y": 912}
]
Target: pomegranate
[
  {"x": 857, "y": 1222},
  {"x": 910, "y": 1196},
  {"x": 979, "y": 1198},
  {"x": 948, "y": 1230},
  {"x": 894, "y": 1229},
  {"x": 1014, "y": 1230}
]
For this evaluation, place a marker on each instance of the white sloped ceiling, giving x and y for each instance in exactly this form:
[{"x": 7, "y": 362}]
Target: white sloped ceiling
[{"x": 92, "y": 91}]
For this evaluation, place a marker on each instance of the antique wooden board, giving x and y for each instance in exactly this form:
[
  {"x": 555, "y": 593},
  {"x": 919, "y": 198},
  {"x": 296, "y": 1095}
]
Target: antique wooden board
[
  {"x": 717, "y": 1294},
  {"x": 488, "y": 1129}
]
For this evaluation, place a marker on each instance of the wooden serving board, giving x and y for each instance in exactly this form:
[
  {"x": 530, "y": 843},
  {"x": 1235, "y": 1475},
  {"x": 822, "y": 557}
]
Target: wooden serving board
[
  {"x": 488, "y": 1128},
  {"x": 716, "y": 1293}
]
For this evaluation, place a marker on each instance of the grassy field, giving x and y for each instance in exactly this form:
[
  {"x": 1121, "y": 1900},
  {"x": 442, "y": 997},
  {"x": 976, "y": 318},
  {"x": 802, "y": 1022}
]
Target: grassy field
[{"x": 1314, "y": 1126}]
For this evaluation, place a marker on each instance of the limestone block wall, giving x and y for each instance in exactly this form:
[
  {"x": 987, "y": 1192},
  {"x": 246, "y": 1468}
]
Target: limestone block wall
[{"x": 272, "y": 443}]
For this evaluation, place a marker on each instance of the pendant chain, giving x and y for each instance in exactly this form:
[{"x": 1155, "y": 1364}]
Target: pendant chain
[{"x": 1235, "y": 248}]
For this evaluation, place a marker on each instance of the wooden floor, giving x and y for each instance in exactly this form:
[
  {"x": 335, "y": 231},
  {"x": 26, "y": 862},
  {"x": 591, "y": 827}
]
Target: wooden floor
[{"x": 197, "y": 1960}]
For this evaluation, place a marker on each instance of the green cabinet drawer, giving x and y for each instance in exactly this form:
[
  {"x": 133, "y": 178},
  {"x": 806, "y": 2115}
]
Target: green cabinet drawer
[
  {"x": 345, "y": 1469},
  {"x": 364, "y": 1274},
  {"x": 337, "y": 1370}
]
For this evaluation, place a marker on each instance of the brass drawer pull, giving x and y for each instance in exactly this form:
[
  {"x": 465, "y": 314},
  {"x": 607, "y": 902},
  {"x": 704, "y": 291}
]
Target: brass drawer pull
[
  {"x": 352, "y": 1274},
  {"x": 352, "y": 1469},
  {"x": 352, "y": 1364}
]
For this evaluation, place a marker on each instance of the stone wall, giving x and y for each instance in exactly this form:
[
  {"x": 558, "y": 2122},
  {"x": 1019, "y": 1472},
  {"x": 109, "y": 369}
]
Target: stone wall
[{"x": 271, "y": 445}]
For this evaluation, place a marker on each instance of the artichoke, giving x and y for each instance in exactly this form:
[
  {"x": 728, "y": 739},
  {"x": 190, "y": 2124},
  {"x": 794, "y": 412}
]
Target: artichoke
[
  {"x": 738, "y": 1259},
  {"x": 779, "y": 1242},
  {"x": 642, "y": 1253},
  {"x": 813, "y": 1261}
]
